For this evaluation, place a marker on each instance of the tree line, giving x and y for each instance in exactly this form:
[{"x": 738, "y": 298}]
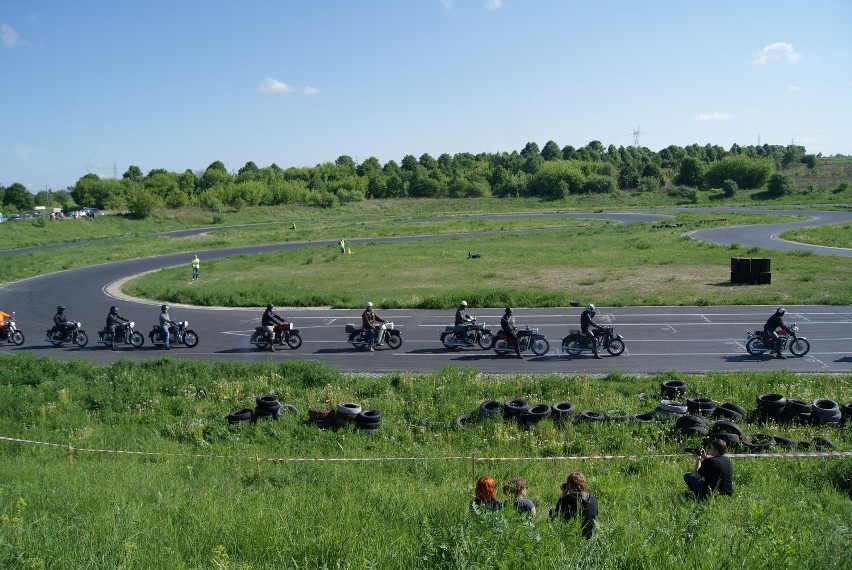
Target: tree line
[{"x": 549, "y": 172}]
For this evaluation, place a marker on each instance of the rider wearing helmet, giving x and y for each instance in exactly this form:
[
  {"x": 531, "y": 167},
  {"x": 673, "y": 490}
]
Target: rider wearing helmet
[
  {"x": 507, "y": 324},
  {"x": 774, "y": 323},
  {"x": 464, "y": 321},
  {"x": 269, "y": 320},
  {"x": 113, "y": 321},
  {"x": 60, "y": 321},
  {"x": 589, "y": 328},
  {"x": 370, "y": 321},
  {"x": 165, "y": 322}
]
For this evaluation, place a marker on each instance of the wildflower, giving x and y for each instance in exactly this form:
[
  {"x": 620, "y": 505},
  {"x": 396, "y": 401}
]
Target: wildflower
[
  {"x": 130, "y": 547},
  {"x": 21, "y": 504}
]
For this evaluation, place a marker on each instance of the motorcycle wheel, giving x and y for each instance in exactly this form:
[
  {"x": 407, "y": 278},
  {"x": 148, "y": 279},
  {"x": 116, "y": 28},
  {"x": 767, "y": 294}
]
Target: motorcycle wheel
[
  {"x": 800, "y": 347},
  {"x": 294, "y": 341},
  {"x": 259, "y": 340},
  {"x": 615, "y": 346},
  {"x": 755, "y": 347},
  {"x": 444, "y": 337},
  {"x": 485, "y": 341},
  {"x": 501, "y": 347},
  {"x": 357, "y": 341},
  {"x": 190, "y": 338},
  {"x": 136, "y": 339},
  {"x": 394, "y": 341},
  {"x": 540, "y": 346},
  {"x": 18, "y": 338},
  {"x": 81, "y": 339},
  {"x": 572, "y": 347}
]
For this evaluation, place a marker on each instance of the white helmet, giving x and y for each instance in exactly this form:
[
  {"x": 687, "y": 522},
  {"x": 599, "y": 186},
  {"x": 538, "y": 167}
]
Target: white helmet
[
  {"x": 369, "y": 305},
  {"x": 463, "y": 304},
  {"x": 590, "y": 308}
]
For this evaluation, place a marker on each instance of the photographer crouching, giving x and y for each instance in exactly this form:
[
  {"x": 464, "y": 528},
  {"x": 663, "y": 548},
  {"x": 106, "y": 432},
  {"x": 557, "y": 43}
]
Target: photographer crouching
[{"x": 713, "y": 471}]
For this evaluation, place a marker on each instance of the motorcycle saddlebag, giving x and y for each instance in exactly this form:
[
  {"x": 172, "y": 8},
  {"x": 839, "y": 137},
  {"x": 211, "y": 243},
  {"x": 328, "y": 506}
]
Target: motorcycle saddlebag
[{"x": 350, "y": 328}]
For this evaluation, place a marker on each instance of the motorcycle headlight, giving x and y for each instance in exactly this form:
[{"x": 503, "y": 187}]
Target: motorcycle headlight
[
  {"x": 131, "y": 324},
  {"x": 794, "y": 328},
  {"x": 289, "y": 326},
  {"x": 185, "y": 324},
  {"x": 79, "y": 325},
  {"x": 11, "y": 324}
]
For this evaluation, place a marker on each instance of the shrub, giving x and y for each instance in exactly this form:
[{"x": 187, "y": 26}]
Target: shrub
[
  {"x": 746, "y": 172},
  {"x": 729, "y": 188},
  {"x": 779, "y": 185},
  {"x": 687, "y": 195},
  {"x": 649, "y": 184},
  {"x": 598, "y": 184}
]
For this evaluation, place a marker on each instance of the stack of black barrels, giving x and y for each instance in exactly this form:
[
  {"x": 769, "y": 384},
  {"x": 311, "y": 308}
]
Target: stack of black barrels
[{"x": 750, "y": 271}]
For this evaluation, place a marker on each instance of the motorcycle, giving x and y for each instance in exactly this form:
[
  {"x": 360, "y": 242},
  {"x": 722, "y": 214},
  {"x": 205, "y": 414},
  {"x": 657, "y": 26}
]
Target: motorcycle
[
  {"x": 125, "y": 333},
  {"x": 73, "y": 332},
  {"x": 10, "y": 333},
  {"x": 471, "y": 334},
  {"x": 363, "y": 338},
  {"x": 528, "y": 338},
  {"x": 284, "y": 334},
  {"x": 576, "y": 342},
  {"x": 178, "y": 334},
  {"x": 758, "y": 342}
]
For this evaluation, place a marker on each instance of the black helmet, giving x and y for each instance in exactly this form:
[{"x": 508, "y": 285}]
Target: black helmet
[
  {"x": 113, "y": 309},
  {"x": 508, "y": 310},
  {"x": 60, "y": 308},
  {"x": 781, "y": 310},
  {"x": 269, "y": 306},
  {"x": 164, "y": 308}
]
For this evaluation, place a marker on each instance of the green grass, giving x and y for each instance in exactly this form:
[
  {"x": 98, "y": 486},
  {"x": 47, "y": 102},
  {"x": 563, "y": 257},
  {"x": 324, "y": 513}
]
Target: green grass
[
  {"x": 617, "y": 265},
  {"x": 212, "y": 504},
  {"x": 832, "y": 235}
]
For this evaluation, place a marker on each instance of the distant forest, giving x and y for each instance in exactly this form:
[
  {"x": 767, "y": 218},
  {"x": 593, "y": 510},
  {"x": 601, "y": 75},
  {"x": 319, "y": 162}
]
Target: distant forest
[{"x": 548, "y": 173}]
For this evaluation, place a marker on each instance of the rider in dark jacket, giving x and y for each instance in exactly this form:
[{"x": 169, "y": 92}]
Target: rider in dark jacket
[
  {"x": 269, "y": 320},
  {"x": 113, "y": 321},
  {"x": 463, "y": 320},
  {"x": 507, "y": 323},
  {"x": 60, "y": 321},
  {"x": 588, "y": 327},
  {"x": 774, "y": 323}
]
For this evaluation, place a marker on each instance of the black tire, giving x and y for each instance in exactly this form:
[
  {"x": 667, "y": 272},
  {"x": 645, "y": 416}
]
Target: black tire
[
  {"x": 795, "y": 407},
  {"x": 268, "y": 412},
  {"x": 754, "y": 346},
  {"x": 693, "y": 431},
  {"x": 731, "y": 439},
  {"x": 267, "y": 401},
  {"x": 190, "y": 338},
  {"x": 690, "y": 421},
  {"x": 156, "y": 335},
  {"x": 368, "y": 430},
  {"x": 700, "y": 405},
  {"x": 540, "y": 346},
  {"x": 514, "y": 408},
  {"x": 825, "y": 407},
  {"x": 240, "y": 415},
  {"x": 486, "y": 340},
  {"x": 671, "y": 389},
  {"x": 615, "y": 347},
  {"x": 758, "y": 441},
  {"x": 737, "y": 408},
  {"x": 846, "y": 411},
  {"x": 394, "y": 341},
  {"x": 561, "y": 410},
  {"x": 645, "y": 418},
  {"x": 348, "y": 409},
  {"x": 17, "y": 338},
  {"x": 537, "y": 412},
  {"x": 444, "y": 337},
  {"x": 81, "y": 339},
  {"x": 369, "y": 417},
  {"x": 727, "y": 413},
  {"x": 784, "y": 442},
  {"x": 592, "y": 416},
  {"x": 727, "y": 427},
  {"x": 771, "y": 403},
  {"x": 822, "y": 444},
  {"x": 673, "y": 406},
  {"x": 353, "y": 338},
  {"x": 462, "y": 420},
  {"x": 490, "y": 409},
  {"x": 259, "y": 340},
  {"x": 136, "y": 339},
  {"x": 572, "y": 347},
  {"x": 800, "y": 347}
]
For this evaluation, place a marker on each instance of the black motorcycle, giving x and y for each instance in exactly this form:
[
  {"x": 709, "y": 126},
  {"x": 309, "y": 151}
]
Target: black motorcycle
[
  {"x": 284, "y": 334},
  {"x": 179, "y": 333},
  {"x": 125, "y": 334},
  {"x": 364, "y": 338},
  {"x": 576, "y": 342},
  {"x": 72, "y": 332},
  {"x": 469, "y": 334}
]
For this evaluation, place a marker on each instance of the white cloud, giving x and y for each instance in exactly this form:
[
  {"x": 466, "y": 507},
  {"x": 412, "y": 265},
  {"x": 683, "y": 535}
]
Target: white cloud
[
  {"x": 715, "y": 116},
  {"x": 776, "y": 51},
  {"x": 793, "y": 88},
  {"x": 273, "y": 86},
  {"x": 493, "y": 4},
  {"x": 9, "y": 37}
]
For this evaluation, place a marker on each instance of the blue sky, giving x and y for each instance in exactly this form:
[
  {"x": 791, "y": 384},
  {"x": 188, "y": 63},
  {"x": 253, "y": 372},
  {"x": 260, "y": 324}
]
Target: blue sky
[{"x": 95, "y": 86}]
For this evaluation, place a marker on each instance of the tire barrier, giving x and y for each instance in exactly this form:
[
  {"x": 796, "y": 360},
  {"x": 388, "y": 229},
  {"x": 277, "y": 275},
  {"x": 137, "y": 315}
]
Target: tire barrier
[
  {"x": 345, "y": 413},
  {"x": 672, "y": 389},
  {"x": 240, "y": 415},
  {"x": 727, "y": 427},
  {"x": 700, "y": 405},
  {"x": 268, "y": 407},
  {"x": 846, "y": 411},
  {"x": 758, "y": 441},
  {"x": 593, "y": 416},
  {"x": 771, "y": 407},
  {"x": 561, "y": 411},
  {"x": 369, "y": 421},
  {"x": 826, "y": 412},
  {"x": 534, "y": 414},
  {"x": 514, "y": 408},
  {"x": 490, "y": 410},
  {"x": 751, "y": 271}
]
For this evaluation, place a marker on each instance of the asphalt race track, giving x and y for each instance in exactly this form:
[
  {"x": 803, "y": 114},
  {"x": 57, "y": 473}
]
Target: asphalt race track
[{"x": 692, "y": 339}]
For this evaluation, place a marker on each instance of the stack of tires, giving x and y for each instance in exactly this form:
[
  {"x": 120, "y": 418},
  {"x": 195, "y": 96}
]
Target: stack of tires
[
  {"x": 368, "y": 422},
  {"x": 700, "y": 406},
  {"x": 672, "y": 389},
  {"x": 670, "y": 410},
  {"x": 346, "y": 413},
  {"x": 797, "y": 411},
  {"x": 267, "y": 406},
  {"x": 729, "y": 432},
  {"x": 691, "y": 425},
  {"x": 729, "y": 411},
  {"x": 826, "y": 412},
  {"x": 562, "y": 411},
  {"x": 534, "y": 414},
  {"x": 771, "y": 407}
]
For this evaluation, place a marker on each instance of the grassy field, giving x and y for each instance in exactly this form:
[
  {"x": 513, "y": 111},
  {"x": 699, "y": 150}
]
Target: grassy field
[
  {"x": 209, "y": 496},
  {"x": 832, "y": 235},
  {"x": 617, "y": 265}
]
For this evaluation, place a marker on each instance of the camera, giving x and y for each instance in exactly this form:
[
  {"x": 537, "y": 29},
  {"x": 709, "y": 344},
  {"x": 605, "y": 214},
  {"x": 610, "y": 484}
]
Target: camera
[{"x": 694, "y": 450}]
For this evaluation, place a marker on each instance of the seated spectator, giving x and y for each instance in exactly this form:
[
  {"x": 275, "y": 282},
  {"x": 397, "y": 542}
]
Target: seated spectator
[
  {"x": 517, "y": 489},
  {"x": 575, "y": 500},
  {"x": 713, "y": 472},
  {"x": 485, "y": 497}
]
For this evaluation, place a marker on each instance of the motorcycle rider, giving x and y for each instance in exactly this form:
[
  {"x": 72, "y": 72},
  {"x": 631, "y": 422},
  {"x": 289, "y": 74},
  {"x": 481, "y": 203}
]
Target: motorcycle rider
[
  {"x": 269, "y": 320},
  {"x": 774, "y": 323},
  {"x": 507, "y": 323},
  {"x": 464, "y": 321},
  {"x": 60, "y": 322},
  {"x": 588, "y": 327},
  {"x": 113, "y": 321},
  {"x": 370, "y": 322},
  {"x": 165, "y": 322},
  {"x": 4, "y": 316}
]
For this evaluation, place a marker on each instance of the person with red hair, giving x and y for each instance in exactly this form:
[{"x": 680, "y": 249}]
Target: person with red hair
[{"x": 485, "y": 496}]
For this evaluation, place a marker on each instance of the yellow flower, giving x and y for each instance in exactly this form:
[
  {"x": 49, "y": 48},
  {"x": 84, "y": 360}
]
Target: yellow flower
[
  {"x": 22, "y": 504},
  {"x": 220, "y": 555},
  {"x": 130, "y": 547},
  {"x": 34, "y": 563}
]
